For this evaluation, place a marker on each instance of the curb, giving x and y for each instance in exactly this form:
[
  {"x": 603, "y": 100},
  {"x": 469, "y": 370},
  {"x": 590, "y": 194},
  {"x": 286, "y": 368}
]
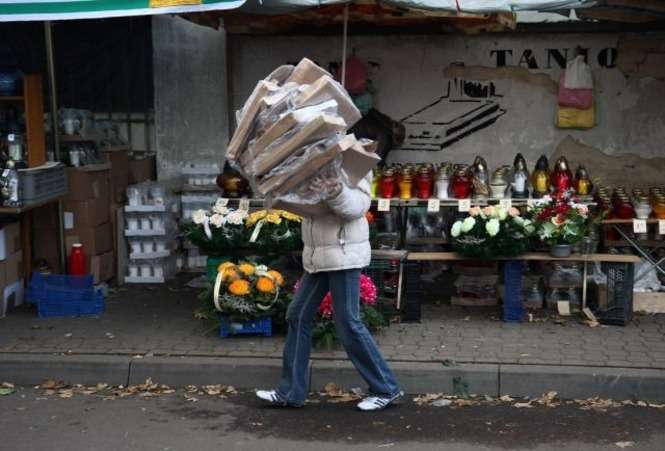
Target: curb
[{"x": 414, "y": 377}]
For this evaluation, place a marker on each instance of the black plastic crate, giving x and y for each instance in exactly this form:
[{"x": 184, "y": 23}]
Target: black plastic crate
[
  {"x": 412, "y": 292},
  {"x": 619, "y": 310}
]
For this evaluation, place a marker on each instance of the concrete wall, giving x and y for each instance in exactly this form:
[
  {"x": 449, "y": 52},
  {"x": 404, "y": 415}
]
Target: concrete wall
[
  {"x": 191, "y": 120},
  {"x": 512, "y": 78}
]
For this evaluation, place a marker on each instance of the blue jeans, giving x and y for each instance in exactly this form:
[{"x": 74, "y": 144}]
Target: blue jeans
[{"x": 354, "y": 336}]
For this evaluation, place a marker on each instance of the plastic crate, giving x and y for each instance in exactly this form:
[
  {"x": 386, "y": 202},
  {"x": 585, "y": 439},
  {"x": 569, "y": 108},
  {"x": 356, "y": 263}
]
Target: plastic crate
[
  {"x": 62, "y": 295},
  {"x": 42, "y": 183},
  {"x": 619, "y": 311},
  {"x": 513, "y": 309},
  {"x": 259, "y": 326},
  {"x": 412, "y": 290}
]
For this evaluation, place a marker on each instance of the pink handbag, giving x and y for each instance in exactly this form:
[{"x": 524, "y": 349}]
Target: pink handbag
[{"x": 575, "y": 98}]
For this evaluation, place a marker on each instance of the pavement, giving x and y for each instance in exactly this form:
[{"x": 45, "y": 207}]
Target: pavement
[
  {"x": 37, "y": 419},
  {"x": 150, "y": 331}
]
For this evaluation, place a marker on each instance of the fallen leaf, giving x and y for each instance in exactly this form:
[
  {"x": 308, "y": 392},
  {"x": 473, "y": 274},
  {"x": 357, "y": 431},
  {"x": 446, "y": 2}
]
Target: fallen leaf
[
  {"x": 625, "y": 444},
  {"x": 506, "y": 398},
  {"x": 7, "y": 385},
  {"x": 523, "y": 405},
  {"x": 657, "y": 406},
  {"x": 442, "y": 403},
  {"x": 5, "y": 391}
]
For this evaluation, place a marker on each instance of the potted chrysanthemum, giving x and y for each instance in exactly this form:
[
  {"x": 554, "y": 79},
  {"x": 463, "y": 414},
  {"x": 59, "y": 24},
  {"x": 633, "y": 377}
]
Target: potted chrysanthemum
[{"x": 491, "y": 232}]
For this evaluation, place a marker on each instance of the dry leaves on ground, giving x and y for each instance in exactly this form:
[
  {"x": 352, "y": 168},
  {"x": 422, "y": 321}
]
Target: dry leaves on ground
[
  {"x": 336, "y": 394},
  {"x": 7, "y": 388},
  {"x": 219, "y": 390},
  {"x": 625, "y": 444}
]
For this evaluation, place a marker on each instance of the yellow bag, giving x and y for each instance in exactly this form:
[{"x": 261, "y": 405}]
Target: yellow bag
[{"x": 568, "y": 117}]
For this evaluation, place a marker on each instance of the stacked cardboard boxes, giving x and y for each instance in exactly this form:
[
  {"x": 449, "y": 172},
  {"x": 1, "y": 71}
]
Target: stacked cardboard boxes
[
  {"x": 87, "y": 218},
  {"x": 11, "y": 267}
]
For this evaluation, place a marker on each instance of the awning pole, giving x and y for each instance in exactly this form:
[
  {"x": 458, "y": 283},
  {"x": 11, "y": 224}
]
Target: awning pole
[
  {"x": 55, "y": 131},
  {"x": 344, "y": 39}
]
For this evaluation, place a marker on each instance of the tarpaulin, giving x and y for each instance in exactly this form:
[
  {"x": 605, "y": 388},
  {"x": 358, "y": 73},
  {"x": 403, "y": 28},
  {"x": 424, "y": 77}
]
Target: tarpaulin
[{"x": 23, "y": 10}]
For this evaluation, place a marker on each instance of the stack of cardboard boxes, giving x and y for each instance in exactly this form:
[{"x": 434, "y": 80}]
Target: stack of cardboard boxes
[
  {"x": 11, "y": 267},
  {"x": 87, "y": 218}
]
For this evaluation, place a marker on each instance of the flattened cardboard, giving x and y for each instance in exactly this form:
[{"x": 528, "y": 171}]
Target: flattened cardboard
[
  {"x": 307, "y": 72},
  {"x": 45, "y": 217},
  {"x": 308, "y": 211},
  {"x": 254, "y": 105},
  {"x": 357, "y": 162},
  {"x": 320, "y": 127},
  {"x": 13, "y": 268},
  {"x": 313, "y": 165},
  {"x": 12, "y": 237},
  {"x": 326, "y": 88}
]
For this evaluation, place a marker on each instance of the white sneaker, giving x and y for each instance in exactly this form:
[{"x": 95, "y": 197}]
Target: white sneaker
[
  {"x": 270, "y": 396},
  {"x": 377, "y": 403}
]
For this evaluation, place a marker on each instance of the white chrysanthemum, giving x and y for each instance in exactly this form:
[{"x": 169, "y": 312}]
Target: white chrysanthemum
[
  {"x": 236, "y": 217},
  {"x": 492, "y": 227},
  {"x": 519, "y": 221},
  {"x": 501, "y": 213},
  {"x": 199, "y": 216},
  {"x": 220, "y": 209},
  {"x": 217, "y": 220},
  {"x": 456, "y": 229},
  {"x": 468, "y": 224}
]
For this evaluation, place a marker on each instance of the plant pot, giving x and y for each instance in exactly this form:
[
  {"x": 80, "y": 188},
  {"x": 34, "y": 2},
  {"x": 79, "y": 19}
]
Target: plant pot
[{"x": 561, "y": 250}]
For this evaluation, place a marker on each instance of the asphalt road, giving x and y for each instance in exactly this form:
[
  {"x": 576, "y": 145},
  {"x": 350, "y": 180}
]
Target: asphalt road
[{"x": 32, "y": 420}]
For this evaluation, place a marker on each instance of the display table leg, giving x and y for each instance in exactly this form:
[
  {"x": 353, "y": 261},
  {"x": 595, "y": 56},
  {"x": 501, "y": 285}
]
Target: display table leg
[{"x": 513, "y": 310}]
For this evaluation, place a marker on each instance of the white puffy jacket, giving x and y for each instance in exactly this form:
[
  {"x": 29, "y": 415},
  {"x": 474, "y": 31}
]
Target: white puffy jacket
[{"x": 339, "y": 240}]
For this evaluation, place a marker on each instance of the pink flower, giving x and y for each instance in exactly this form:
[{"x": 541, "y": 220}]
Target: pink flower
[
  {"x": 474, "y": 211},
  {"x": 367, "y": 290},
  {"x": 512, "y": 211},
  {"x": 488, "y": 211}
]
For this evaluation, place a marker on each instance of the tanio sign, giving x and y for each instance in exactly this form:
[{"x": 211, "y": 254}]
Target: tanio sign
[{"x": 552, "y": 58}]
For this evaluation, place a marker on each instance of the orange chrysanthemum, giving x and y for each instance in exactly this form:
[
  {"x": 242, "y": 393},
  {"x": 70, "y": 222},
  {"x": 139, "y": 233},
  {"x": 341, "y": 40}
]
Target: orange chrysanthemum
[
  {"x": 239, "y": 287},
  {"x": 277, "y": 277},
  {"x": 265, "y": 285}
]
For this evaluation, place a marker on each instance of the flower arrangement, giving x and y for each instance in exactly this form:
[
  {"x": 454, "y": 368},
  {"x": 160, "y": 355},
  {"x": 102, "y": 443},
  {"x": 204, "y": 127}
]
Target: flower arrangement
[
  {"x": 245, "y": 292},
  {"x": 221, "y": 230},
  {"x": 274, "y": 231},
  {"x": 491, "y": 232},
  {"x": 217, "y": 231},
  {"x": 560, "y": 219},
  {"x": 324, "y": 333}
]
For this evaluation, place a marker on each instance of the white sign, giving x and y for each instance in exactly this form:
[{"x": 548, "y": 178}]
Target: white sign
[
  {"x": 530, "y": 202},
  {"x": 506, "y": 203},
  {"x": 384, "y": 205},
  {"x": 464, "y": 205},
  {"x": 639, "y": 226},
  {"x": 661, "y": 226},
  {"x": 222, "y": 201},
  {"x": 243, "y": 205},
  {"x": 433, "y": 205}
]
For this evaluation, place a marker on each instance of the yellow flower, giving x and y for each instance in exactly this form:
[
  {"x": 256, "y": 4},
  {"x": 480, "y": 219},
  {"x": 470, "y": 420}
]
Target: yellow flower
[
  {"x": 247, "y": 269},
  {"x": 255, "y": 217},
  {"x": 274, "y": 218},
  {"x": 277, "y": 277},
  {"x": 265, "y": 285},
  {"x": 239, "y": 287},
  {"x": 290, "y": 216},
  {"x": 225, "y": 265}
]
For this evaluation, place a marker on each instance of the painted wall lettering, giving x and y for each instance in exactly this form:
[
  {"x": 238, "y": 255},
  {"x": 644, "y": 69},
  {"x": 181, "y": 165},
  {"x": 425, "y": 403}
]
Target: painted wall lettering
[{"x": 551, "y": 58}]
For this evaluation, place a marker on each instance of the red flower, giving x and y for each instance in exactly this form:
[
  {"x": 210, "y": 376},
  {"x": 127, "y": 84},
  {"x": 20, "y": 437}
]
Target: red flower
[
  {"x": 326, "y": 306},
  {"x": 370, "y": 218}
]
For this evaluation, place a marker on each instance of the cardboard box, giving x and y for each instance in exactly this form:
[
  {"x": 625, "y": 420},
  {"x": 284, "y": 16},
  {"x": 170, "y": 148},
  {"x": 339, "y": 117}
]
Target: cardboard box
[
  {"x": 45, "y": 247},
  {"x": 96, "y": 240},
  {"x": 45, "y": 217},
  {"x": 88, "y": 182},
  {"x": 13, "y": 268},
  {"x": 85, "y": 214},
  {"x": 102, "y": 267},
  {"x": 119, "y": 160},
  {"x": 10, "y": 239},
  {"x": 142, "y": 169},
  {"x": 119, "y": 188}
]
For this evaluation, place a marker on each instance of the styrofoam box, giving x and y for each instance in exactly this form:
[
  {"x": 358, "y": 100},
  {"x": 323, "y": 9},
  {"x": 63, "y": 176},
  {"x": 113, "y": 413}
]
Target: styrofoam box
[{"x": 13, "y": 296}]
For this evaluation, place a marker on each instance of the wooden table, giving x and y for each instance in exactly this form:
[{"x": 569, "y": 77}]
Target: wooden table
[{"x": 537, "y": 256}]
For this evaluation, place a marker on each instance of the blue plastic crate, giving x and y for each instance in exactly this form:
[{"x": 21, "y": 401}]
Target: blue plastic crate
[
  {"x": 259, "y": 326},
  {"x": 513, "y": 310},
  {"x": 62, "y": 295}
]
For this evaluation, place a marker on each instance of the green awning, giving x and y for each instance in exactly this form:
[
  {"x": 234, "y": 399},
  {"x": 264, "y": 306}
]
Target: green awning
[{"x": 23, "y": 10}]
